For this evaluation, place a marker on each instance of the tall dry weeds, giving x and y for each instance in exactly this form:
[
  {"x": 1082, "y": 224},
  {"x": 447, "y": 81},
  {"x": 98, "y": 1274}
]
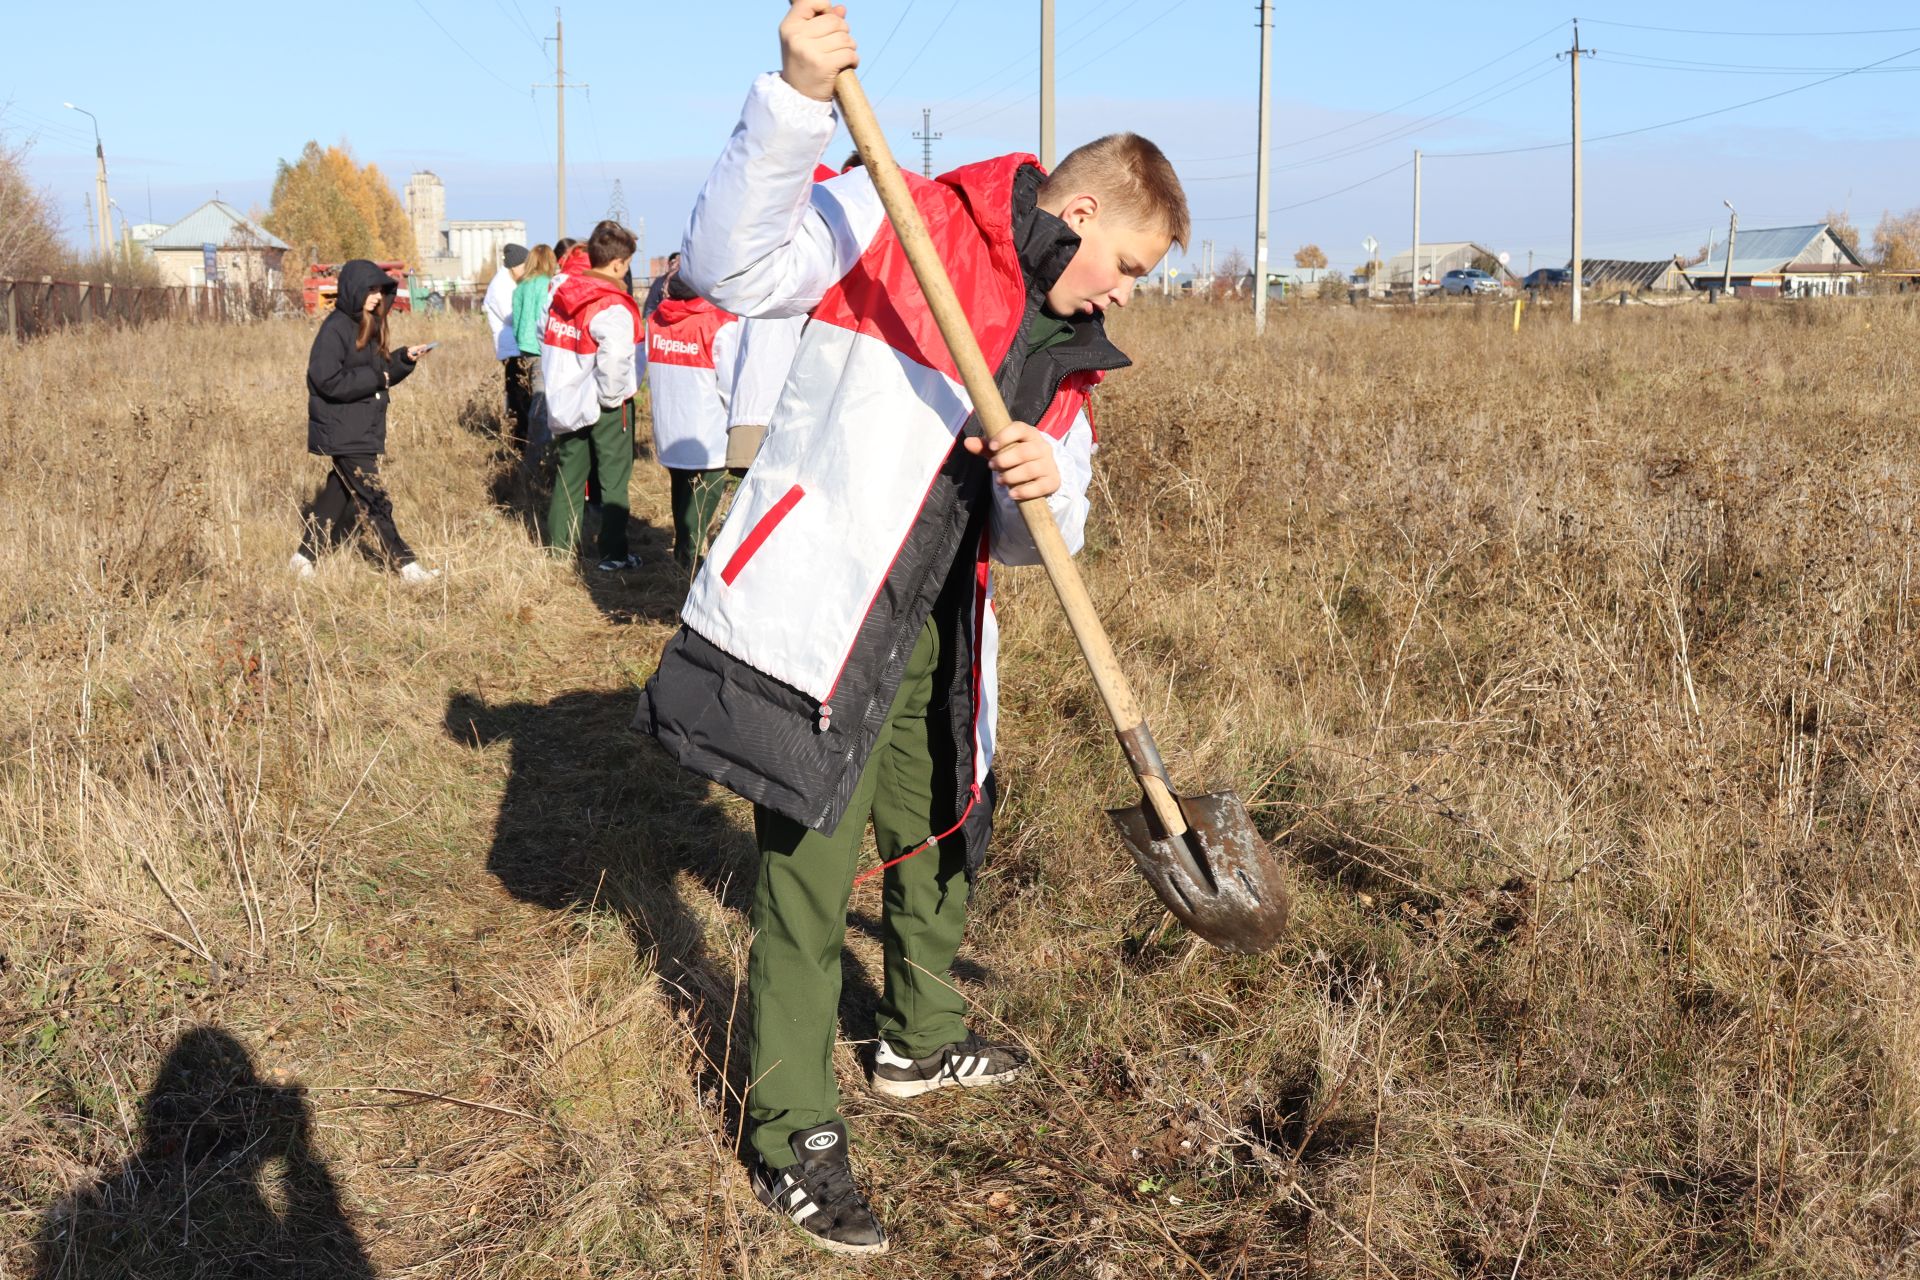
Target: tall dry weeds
[{"x": 1574, "y": 673}]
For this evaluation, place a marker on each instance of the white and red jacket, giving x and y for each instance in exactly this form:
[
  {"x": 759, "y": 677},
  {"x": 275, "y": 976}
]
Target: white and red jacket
[
  {"x": 588, "y": 350},
  {"x": 692, "y": 350},
  {"x": 767, "y": 349},
  {"x": 861, "y": 516}
]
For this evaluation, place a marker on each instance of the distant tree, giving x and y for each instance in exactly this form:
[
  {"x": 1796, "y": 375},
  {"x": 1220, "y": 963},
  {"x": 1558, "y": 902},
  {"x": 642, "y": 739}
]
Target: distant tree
[
  {"x": 1896, "y": 241},
  {"x": 1697, "y": 256},
  {"x": 1488, "y": 263},
  {"x": 1231, "y": 268},
  {"x": 1370, "y": 269},
  {"x": 1309, "y": 255},
  {"x": 29, "y": 231},
  {"x": 1844, "y": 231},
  {"x": 328, "y": 208}
]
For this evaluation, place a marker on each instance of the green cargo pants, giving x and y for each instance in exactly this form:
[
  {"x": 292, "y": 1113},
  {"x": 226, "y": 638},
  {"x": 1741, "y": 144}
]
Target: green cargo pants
[
  {"x": 696, "y": 501},
  {"x": 800, "y": 922},
  {"x": 607, "y": 444}
]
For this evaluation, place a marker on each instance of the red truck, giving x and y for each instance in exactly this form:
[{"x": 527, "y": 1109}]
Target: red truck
[{"x": 318, "y": 289}]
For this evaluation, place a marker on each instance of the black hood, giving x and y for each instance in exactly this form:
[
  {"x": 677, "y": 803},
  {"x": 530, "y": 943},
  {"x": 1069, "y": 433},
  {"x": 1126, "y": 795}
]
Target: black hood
[{"x": 358, "y": 279}]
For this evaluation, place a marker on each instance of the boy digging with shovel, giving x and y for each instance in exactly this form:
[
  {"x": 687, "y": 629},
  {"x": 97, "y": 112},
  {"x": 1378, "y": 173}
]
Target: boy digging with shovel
[{"x": 837, "y": 659}]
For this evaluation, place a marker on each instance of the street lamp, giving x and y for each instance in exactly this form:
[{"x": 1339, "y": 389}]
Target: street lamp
[
  {"x": 1733, "y": 232},
  {"x": 99, "y": 182}
]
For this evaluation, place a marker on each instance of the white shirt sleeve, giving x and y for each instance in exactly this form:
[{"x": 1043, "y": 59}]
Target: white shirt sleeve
[
  {"x": 613, "y": 368},
  {"x": 755, "y": 246},
  {"x": 1011, "y": 543},
  {"x": 498, "y": 304},
  {"x": 727, "y": 350}
]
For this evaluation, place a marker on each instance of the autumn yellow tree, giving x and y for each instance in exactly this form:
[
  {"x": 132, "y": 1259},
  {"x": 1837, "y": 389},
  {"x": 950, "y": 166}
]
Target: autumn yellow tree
[
  {"x": 1896, "y": 241},
  {"x": 1844, "y": 231},
  {"x": 1309, "y": 255},
  {"x": 329, "y": 208}
]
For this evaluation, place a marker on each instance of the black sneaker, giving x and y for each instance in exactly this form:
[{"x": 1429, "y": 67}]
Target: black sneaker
[
  {"x": 818, "y": 1192},
  {"x": 967, "y": 1065},
  {"x": 621, "y": 565}
]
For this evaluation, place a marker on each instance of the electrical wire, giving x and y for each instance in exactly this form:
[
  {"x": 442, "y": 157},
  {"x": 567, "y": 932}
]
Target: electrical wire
[
  {"x": 928, "y": 43},
  {"x": 1701, "y": 115},
  {"x": 1301, "y": 204},
  {"x": 891, "y": 34},
  {"x": 1023, "y": 67},
  {"x": 1163, "y": 15},
  {"x": 1653, "y": 63},
  {"x": 1421, "y": 97},
  {"x": 1784, "y": 35},
  {"x": 420, "y": 5}
]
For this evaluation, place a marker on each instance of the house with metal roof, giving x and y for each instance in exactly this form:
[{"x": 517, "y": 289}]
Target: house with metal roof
[
  {"x": 242, "y": 253},
  {"x": 1438, "y": 259},
  {"x": 1613, "y": 274},
  {"x": 1784, "y": 262}
]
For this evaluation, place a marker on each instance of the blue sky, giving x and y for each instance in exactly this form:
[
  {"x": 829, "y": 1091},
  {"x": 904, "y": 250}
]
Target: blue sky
[{"x": 195, "y": 98}]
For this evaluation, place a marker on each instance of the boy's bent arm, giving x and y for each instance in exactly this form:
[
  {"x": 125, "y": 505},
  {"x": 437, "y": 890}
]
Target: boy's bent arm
[
  {"x": 1012, "y": 544},
  {"x": 755, "y": 245},
  {"x": 614, "y": 379}
]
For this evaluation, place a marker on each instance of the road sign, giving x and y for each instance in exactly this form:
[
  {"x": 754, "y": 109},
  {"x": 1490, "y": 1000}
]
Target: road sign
[
  {"x": 1370, "y": 245},
  {"x": 1505, "y": 258}
]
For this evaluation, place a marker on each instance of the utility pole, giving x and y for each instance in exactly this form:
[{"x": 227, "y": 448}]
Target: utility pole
[
  {"x": 927, "y": 137},
  {"x": 1414, "y": 291},
  {"x": 105, "y": 238},
  {"x": 560, "y": 87},
  {"x": 1046, "y": 85},
  {"x": 1262, "y": 173},
  {"x": 1579, "y": 259},
  {"x": 1733, "y": 233}
]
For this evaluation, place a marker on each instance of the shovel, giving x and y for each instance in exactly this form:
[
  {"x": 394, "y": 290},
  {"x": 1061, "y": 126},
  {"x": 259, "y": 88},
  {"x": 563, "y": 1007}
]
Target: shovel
[{"x": 1200, "y": 853}]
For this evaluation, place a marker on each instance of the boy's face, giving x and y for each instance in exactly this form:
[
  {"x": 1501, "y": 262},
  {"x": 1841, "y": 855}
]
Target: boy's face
[{"x": 1113, "y": 253}]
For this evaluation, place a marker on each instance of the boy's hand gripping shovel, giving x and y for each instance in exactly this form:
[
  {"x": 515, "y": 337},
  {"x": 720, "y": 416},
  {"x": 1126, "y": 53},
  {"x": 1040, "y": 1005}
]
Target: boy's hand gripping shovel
[{"x": 1200, "y": 853}]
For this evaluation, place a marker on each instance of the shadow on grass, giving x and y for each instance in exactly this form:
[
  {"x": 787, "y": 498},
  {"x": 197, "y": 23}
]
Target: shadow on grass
[
  {"x": 226, "y": 1183},
  {"x": 595, "y": 817}
]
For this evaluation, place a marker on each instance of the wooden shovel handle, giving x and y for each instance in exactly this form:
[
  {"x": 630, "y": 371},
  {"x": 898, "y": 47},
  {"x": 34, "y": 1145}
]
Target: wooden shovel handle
[{"x": 987, "y": 402}]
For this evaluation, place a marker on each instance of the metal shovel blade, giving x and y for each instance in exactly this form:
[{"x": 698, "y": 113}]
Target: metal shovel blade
[{"x": 1220, "y": 878}]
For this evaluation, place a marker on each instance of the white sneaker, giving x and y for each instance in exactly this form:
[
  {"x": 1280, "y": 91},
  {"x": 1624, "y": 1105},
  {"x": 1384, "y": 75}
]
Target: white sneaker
[
  {"x": 300, "y": 565},
  {"x": 416, "y": 574}
]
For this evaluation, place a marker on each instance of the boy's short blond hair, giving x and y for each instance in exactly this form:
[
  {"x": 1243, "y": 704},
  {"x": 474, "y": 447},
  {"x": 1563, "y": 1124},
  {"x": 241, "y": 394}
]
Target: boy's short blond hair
[{"x": 1133, "y": 179}]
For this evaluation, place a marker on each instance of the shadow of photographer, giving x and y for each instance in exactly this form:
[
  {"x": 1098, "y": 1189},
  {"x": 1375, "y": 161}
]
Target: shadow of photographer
[
  {"x": 225, "y": 1183},
  {"x": 595, "y": 817}
]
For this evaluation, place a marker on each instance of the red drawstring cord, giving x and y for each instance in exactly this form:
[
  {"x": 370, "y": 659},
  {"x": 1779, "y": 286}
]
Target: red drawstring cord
[{"x": 972, "y": 797}]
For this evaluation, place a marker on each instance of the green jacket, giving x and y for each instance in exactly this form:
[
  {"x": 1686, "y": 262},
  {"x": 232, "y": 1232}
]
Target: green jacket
[{"x": 530, "y": 299}]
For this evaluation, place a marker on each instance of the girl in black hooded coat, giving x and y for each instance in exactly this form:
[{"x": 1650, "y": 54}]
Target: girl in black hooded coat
[{"x": 350, "y": 377}]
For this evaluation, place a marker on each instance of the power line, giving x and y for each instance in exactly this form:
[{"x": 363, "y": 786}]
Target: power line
[
  {"x": 1701, "y": 115},
  {"x": 923, "y": 48},
  {"x": 896, "y": 29},
  {"x": 420, "y": 5},
  {"x": 1387, "y": 111},
  {"x": 1469, "y": 103},
  {"x": 1301, "y": 204},
  {"x": 1022, "y": 67},
  {"x": 1652, "y": 63},
  {"x": 1164, "y": 14},
  {"x": 1785, "y": 35}
]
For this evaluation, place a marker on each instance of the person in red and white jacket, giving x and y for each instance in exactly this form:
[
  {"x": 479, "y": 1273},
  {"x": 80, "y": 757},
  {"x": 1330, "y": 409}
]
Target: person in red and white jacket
[
  {"x": 693, "y": 350},
  {"x": 588, "y": 355},
  {"x": 837, "y": 658}
]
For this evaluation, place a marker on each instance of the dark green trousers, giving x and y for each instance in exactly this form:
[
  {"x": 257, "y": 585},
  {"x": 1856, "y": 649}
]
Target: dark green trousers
[
  {"x": 607, "y": 444},
  {"x": 800, "y": 922},
  {"x": 697, "y": 496}
]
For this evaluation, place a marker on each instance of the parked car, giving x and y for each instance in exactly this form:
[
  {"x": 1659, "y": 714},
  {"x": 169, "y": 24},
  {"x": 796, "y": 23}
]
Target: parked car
[
  {"x": 1548, "y": 278},
  {"x": 1468, "y": 280}
]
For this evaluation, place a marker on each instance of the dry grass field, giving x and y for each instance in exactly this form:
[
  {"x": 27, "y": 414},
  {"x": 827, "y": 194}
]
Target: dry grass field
[{"x": 346, "y": 931}]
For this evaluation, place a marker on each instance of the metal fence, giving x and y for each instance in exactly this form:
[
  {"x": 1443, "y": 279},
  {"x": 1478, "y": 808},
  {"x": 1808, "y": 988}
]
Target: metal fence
[{"x": 33, "y": 308}]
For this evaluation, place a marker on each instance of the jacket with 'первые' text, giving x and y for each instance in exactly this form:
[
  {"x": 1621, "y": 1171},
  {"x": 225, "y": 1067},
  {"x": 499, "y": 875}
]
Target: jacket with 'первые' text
[
  {"x": 588, "y": 350},
  {"x": 692, "y": 347}
]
